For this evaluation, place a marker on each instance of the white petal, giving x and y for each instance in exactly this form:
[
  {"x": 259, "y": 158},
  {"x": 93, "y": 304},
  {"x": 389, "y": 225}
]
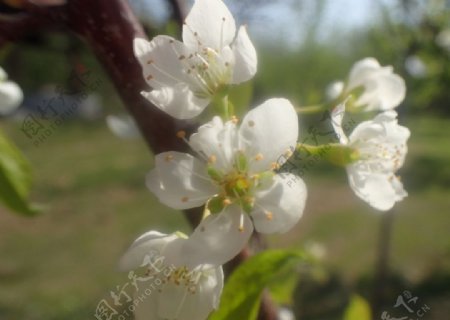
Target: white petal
[
  {"x": 219, "y": 237},
  {"x": 179, "y": 101},
  {"x": 245, "y": 58},
  {"x": 383, "y": 92},
  {"x": 216, "y": 139},
  {"x": 147, "y": 308},
  {"x": 334, "y": 90},
  {"x": 160, "y": 60},
  {"x": 381, "y": 191},
  {"x": 123, "y": 127},
  {"x": 150, "y": 244},
  {"x": 176, "y": 302},
  {"x": 11, "y": 96},
  {"x": 337, "y": 115},
  {"x": 383, "y": 89},
  {"x": 279, "y": 208},
  {"x": 361, "y": 71},
  {"x": 270, "y": 129},
  {"x": 209, "y": 24},
  {"x": 180, "y": 181}
]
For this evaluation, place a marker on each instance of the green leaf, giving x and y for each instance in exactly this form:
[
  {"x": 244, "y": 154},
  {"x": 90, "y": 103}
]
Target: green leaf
[
  {"x": 15, "y": 178},
  {"x": 358, "y": 309},
  {"x": 242, "y": 292}
]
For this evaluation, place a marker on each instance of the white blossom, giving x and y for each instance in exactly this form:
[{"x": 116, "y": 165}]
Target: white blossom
[
  {"x": 185, "y": 76},
  {"x": 381, "y": 148},
  {"x": 11, "y": 96},
  {"x": 234, "y": 172},
  {"x": 169, "y": 289},
  {"x": 382, "y": 89}
]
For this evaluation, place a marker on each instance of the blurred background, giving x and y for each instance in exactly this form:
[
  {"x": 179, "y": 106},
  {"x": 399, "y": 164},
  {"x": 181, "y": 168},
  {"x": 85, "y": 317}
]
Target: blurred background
[{"x": 62, "y": 263}]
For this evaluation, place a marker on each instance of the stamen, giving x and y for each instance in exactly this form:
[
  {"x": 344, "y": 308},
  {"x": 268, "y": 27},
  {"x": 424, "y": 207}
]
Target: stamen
[
  {"x": 241, "y": 223},
  {"x": 234, "y": 119},
  {"x": 212, "y": 159},
  {"x": 259, "y": 157},
  {"x": 168, "y": 158},
  {"x": 181, "y": 134},
  {"x": 274, "y": 166},
  {"x": 226, "y": 202},
  {"x": 269, "y": 215}
]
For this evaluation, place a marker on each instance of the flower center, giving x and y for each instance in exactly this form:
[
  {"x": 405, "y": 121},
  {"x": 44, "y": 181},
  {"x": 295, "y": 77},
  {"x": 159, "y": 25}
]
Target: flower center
[
  {"x": 209, "y": 72},
  {"x": 236, "y": 185}
]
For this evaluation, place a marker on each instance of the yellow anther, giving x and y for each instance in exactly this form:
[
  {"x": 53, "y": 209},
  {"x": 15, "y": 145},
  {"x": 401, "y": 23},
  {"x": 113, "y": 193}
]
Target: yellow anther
[
  {"x": 269, "y": 215},
  {"x": 184, "y": 199},
  {"x": 212, "y": 159},
  {"x": 274, "y": 166},
  {"x": 168, "y": 158},
  {"x": 259, "y": 157},
  {"x": 234, "y": 119},
  {"x": 181, "y": 134},
  {"x": 241, "y": 228},
  {"x": 226, "y": 202}
]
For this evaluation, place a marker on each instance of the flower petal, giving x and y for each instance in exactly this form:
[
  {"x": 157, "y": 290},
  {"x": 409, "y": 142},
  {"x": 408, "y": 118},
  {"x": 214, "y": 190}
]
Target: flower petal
[
  {"x": 147, "y": 307},
  {"x": 337, "y": 115},
  {"x": 279, "y": 208},
  {"x": 219, "y": 237},
  {"x": 123, "y": 127},
  {"x": 218, "y": 140},
  {"x": 11, "y": 96},
  {"x": 245, "y": 59},
  {"x": 381, "y": 191},
  {"x": 180, "y": 181},
  {"x": 179, "y": 101},
  {"x": 383, "y": 90},
  {"x": 177, "y": 302},
  {"x": 151, "y": 244},
  {"x": 271, "y": 130},
  {"x": 160, "y": 60},
  {"x": 209, "y": 24}
]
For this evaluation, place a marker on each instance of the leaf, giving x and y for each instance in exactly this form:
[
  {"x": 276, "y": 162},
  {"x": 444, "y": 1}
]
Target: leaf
[
  {"x": 241, "y": 295},
  {"x": 358, "y": 309},
  {"x": 15, "y": 178}
]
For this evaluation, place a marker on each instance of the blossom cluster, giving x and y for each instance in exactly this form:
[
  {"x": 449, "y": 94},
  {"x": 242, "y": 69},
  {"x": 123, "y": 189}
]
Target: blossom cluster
[{"x": 234, "y": 170}]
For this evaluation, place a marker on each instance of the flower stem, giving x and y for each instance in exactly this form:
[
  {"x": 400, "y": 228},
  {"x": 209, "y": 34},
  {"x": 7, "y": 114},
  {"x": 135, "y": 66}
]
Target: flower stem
[{"x": 311, "y": 109}]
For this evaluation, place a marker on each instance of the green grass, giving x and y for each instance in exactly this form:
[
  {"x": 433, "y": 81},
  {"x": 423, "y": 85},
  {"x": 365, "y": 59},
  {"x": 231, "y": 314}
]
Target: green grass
[{"x": 60, "y": 264}]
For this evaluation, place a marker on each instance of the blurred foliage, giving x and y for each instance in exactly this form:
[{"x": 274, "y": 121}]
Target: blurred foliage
[{"x": 241, "y": 296}]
